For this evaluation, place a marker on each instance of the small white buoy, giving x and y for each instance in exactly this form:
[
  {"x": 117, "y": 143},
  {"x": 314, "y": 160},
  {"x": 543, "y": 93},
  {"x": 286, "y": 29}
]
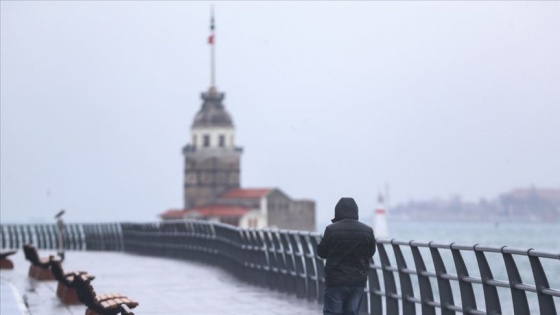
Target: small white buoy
[{"x": 381, "y": 228}]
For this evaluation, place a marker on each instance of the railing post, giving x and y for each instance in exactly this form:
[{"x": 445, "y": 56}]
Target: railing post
[
  {"x": 52, "y": 236},
  {"x": 40, "y": 236},
  {"x": 301, "y": 283},
  {"x": 320, "y": 264},
  {"x": 426, "y": 294},
  {"x": 375, "y": 293},
  {"x": 546, "y": 302},
  {"x": 310, "y": 267},
  {"x": 245, "y": 255},
  {"x": 444, "y": 286},
  {"x": 281, "y": 260},
  {"x": 263, "y": 259},
  {"x": 28, "y": 234},
  {"x": 67, "y": 237},
  {"x": 290, "y": 262},
  {"x": 405, "y": 281},
  {"x": 16, "y": 237},
  {"x": 519, "y": 297},
  {"x": 3, "y": 236},
  {"x": 273, "y": 272},
  {"x": 250, "y": 272},
  {"x": 468, "y": 301},
  {"x": 188, "y": 240},
  {"x": 391, "y": 294},
  {"x": 490, "y": 292}
]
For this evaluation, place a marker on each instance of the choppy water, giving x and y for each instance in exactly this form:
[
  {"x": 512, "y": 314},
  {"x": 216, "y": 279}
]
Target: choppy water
[
  {"x": 529, "y": 235},
  {"x": 545, "y": 237}
]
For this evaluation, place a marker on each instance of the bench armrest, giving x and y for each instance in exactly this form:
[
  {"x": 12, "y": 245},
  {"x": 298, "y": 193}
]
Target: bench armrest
[
  {"x": 7, "y": 253},
  {"x": 125, "y": 310}
]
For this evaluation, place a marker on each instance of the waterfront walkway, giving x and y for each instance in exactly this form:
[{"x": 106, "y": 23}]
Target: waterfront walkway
[{"x": 160, "y": 285}]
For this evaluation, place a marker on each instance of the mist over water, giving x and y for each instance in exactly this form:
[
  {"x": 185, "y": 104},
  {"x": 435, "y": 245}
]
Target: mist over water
[
  {"x": 541, "y": 236},
  {"x": 433, "y": 98}
]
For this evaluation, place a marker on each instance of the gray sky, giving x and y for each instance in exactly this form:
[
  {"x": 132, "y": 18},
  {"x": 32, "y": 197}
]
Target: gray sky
[{"x": 329, "y": 99}]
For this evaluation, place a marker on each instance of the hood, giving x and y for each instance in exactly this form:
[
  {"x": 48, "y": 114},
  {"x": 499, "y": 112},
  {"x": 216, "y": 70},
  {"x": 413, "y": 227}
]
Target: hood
[{"x": 346, "y": 208}]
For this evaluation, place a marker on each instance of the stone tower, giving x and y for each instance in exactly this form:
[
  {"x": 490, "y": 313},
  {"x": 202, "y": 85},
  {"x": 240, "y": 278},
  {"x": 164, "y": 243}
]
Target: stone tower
[{"x": 212, "y": 161}]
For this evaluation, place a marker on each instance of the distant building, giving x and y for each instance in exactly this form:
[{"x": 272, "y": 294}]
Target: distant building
[
  {"x": 531, "y": 204},
  {"x": 212, "y": 187},
  {"x": 519, "y": 205}
]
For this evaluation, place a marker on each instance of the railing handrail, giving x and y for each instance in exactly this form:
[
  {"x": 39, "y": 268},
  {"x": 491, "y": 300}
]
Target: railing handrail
[{"x": 285, "y": 260}]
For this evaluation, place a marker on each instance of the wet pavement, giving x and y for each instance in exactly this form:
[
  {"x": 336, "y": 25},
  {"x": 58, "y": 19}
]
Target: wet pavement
[
  {"x": 160, "y": 285},
  {"x": 11, "y": 301}
]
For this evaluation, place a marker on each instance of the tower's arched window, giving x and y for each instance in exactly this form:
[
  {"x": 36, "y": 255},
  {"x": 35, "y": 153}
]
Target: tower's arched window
[
  {"x": 222, "y": 141},
  {"x": 206, "y": 141},
  {"x": 194, "y": 140}
]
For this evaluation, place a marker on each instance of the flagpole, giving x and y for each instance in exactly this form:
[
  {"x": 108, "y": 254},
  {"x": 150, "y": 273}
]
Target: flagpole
[
  {"x": 213, "y": 54},
  {"x": 213, "y": 82}
]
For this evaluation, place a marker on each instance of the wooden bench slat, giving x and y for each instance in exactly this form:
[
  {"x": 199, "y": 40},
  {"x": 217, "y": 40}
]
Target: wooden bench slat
[{"x": 110, "y": 303}]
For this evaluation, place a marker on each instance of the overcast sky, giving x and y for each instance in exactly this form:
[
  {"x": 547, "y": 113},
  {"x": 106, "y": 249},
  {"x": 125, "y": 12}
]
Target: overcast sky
[{"x": 329, "y": 99}]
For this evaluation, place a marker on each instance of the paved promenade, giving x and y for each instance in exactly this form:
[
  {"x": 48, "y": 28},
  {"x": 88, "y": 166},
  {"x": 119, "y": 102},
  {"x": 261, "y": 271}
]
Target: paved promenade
[{"x": 160, "y": 285}]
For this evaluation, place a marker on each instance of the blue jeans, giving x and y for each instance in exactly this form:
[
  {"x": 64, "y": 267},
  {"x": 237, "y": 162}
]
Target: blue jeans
[{"x": 343, "y": 300}]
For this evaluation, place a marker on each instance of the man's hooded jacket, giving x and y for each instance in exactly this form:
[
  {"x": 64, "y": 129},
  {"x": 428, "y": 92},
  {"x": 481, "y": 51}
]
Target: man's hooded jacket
[{"x": 347, "y": 245}]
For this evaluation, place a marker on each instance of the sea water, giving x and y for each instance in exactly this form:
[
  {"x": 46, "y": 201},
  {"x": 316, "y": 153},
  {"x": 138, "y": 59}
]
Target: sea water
[{"x": 539, "y": 236}]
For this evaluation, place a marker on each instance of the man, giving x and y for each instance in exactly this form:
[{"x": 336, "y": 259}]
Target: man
[{"x": 347, "y": 245}]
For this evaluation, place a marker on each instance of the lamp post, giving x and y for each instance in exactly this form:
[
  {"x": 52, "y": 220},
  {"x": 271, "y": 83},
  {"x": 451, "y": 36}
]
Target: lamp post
[{"x": 60, "y": 229}]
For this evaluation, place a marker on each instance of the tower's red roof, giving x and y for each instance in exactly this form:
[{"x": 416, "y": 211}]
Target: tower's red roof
[
  {"x": 220, "y": 210},
  {"x": 173, "y": 214},
  {"x": 240, "y": 193},
  {"x": 211, "y": 210}
]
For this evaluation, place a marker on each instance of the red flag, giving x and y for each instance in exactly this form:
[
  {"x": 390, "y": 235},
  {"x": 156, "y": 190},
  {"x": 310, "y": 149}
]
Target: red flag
[{"x": 211, "y": 37}]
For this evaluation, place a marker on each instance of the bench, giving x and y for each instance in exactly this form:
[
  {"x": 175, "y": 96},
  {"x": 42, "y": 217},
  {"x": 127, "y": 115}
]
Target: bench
[
  {"x": 6, "y": 263},
  {"x": 39, "y": 268},
  {"x": 107, "y": 304},
  {"x": 65, "y": 289}
]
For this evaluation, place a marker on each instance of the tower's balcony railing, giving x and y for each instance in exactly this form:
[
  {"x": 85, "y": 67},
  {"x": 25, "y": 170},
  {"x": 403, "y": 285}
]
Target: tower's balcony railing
[
  {"x": 189, "y": 148},
  {"x": 192, "y": 148}
]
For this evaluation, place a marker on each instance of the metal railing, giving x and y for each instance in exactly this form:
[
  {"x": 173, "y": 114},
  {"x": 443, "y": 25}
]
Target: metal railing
[
  {"x": 404, "y": 277},
  {"x": 76, "y": 236}
]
